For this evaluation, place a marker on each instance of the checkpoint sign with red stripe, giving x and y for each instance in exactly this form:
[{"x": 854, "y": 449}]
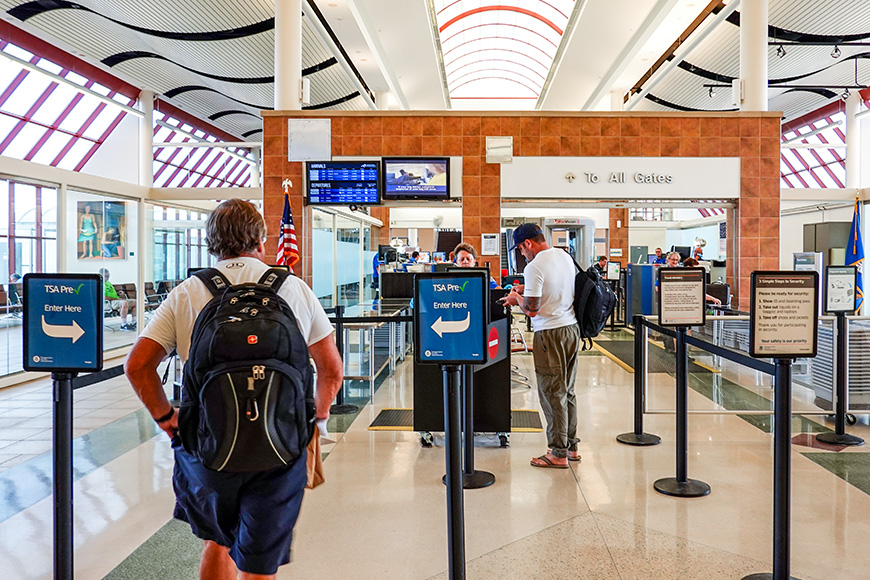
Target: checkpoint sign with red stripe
[{"x": 492, "y": 342}]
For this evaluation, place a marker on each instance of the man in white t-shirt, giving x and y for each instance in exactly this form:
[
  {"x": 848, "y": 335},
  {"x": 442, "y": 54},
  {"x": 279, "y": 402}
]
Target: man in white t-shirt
[
  {"x": 548, "y": 298},
  {"x": 245, "y": 519}
]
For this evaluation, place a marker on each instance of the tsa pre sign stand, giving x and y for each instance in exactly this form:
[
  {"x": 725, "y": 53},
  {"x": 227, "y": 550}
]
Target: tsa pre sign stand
[
  {"x": 681, "y": 305},
  {"x": 783, "y": 324},
  {"x": 63, "y": 334},
  {"x": 840, "y": 298},
  {"x": 449, "y": 330}
]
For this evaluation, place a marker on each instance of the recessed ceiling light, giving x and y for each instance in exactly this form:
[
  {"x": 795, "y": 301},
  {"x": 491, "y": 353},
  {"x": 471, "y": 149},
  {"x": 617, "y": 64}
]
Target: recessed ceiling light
[
  {"x": 332, "y": 5},
  {"x": 363, "y": 59}
]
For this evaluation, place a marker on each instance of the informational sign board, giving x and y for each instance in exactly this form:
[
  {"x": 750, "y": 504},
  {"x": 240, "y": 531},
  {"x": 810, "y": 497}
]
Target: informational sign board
[
  {"x": 681, "y": 296},
  {"x": 783, "y": 314},
  {"x": 450, "y": 317},
  {"x": 613, "y": 269},
  {"x": 489, "y": 244},
  {"x": 840, "y": 282},
  {"x": 63, "y": 322}
]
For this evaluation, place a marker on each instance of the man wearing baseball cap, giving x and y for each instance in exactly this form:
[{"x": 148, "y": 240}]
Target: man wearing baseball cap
[{"x": 548, "y": 298}]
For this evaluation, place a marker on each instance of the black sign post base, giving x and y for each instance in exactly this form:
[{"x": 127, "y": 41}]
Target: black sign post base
[
  {"x": 471, "y": 478},
  {"x": 62, "y": 420},
  {"x": 638, "y": 437},
  {"x": 681, "y": 485},
  {"x": 839, "y": 436},
  {"x": 453, "y": 456},
  {"x": 766, "y": 576}
]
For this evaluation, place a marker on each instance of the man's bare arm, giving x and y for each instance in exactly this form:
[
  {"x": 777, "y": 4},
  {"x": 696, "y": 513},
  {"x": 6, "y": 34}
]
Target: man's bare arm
[
  {"x": 530, "y": 305},
  {"x": 330, "y": 374},
  {"x": 141, "y": 371}
]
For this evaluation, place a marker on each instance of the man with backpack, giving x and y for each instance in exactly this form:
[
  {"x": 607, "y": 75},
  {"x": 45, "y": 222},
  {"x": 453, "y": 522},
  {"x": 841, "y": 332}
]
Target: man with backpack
[
  {"x": 548, "y": 299},
  {"x": 249, "y": 407}
]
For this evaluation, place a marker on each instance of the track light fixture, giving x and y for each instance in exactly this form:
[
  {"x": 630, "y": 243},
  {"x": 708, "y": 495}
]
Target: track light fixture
[
  {"x": 836, "y": 52},
  {"x": 846, "y": 94},
  {"x": 780, "y": 51},
  {"x": 711, "y": 92}
]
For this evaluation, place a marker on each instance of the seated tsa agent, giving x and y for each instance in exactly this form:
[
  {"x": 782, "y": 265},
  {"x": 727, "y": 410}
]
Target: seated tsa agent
[
  {"x": 660, "y": 258},
  {"x": 466, "y": 257}
]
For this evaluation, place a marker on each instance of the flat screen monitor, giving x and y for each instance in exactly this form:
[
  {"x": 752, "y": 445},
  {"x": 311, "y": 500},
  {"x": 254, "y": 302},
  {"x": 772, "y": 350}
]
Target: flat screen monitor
[
  {"x": 439, "y": 256},
  {"x": 683, "y": 251},
  {"x": 416, "y": 177},
  {"x": 342, "y": 182},
  {"x": 424, "y": 258},
  {"x": 651, "y": 258}
]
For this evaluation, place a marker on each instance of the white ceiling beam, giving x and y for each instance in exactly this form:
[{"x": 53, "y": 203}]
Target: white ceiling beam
[
  {"x": 378, "y": 51},
  {"x": 653, "y": 20}
]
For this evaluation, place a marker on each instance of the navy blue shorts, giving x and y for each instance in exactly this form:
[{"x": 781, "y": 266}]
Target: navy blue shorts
[{"x": 252, "y": 514}]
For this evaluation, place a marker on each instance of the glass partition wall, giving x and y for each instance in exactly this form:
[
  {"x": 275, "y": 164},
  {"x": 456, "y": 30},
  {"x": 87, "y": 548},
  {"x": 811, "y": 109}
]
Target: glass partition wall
[
  {"x": 28, "y": 243},
  {"x": 341, "y": 263}
]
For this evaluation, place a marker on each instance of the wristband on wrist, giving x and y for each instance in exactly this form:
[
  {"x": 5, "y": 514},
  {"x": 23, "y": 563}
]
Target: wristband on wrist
[{"x": 166, "y": 417}]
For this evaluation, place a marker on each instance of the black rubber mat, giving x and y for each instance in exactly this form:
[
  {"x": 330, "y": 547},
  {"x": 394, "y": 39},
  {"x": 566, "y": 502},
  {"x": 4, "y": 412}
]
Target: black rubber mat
[
  {"x": 660, "y": 361},
  {"x": 522, "y": 421}
]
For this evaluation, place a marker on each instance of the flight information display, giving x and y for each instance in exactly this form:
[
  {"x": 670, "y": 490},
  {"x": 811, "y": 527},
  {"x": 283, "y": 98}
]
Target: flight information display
[{"x": 343, "y": 182}]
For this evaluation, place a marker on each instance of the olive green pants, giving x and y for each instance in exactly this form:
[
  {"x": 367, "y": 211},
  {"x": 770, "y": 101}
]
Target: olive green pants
[{"x": 555, "y": 355}]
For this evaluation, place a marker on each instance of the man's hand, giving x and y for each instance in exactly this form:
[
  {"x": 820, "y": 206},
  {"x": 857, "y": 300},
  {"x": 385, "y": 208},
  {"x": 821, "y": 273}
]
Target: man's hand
[{"x": 322, "y": 426}]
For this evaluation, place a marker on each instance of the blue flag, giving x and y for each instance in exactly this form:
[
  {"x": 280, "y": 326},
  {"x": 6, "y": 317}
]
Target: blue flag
[{"x": 855, "y": 255}]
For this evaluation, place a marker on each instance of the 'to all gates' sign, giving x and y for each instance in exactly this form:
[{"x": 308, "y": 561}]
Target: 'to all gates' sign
[
  {"x": 450, "y": 318},
  {"x": 63, "y": 322}
]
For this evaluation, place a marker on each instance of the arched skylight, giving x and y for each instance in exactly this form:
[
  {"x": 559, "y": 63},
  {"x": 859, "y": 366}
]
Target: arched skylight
[{"x": 499, "y": 50}]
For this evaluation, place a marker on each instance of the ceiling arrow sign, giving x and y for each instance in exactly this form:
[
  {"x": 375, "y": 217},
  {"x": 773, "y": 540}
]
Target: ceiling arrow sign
[
  {"x": 442, "y": 326},
  {"x": 74, "y": 332}
]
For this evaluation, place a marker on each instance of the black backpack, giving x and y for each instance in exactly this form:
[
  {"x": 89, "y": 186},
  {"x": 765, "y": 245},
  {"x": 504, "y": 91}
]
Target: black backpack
[
  {"x": 248, "y": 391},
  {"x": 593, "y": 303}
]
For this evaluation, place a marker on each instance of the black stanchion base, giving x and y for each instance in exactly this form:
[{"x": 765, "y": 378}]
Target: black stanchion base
[
  {"x": 688, "y": 488},
  {"x": 844, "y": 439},
  {"x": 639, "y": 439},
  {"x": 475, "y": 480},
  {"x": 764, "y": 576},
  {"x": 343, "y": 409}
]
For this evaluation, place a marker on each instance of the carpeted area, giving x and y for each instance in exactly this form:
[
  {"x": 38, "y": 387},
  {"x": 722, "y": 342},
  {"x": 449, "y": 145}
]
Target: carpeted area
[
  {"x": 660, "y": 361},
  {"x": 522, "y": 421}
]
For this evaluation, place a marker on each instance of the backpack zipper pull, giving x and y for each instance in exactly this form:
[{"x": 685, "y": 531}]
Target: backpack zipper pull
[{"x": 250, "y": 383}]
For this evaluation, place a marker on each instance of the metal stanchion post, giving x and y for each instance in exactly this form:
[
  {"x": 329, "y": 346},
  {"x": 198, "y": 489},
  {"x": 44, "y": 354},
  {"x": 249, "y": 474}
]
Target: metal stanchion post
[
  {"x": 339, "y": 408},
  {"x": 455, "y": 509},
  {"x": 839, "y": 436},
  {"x": 638, "y": 437},
  {"x": 681, "y": 485},
  {"x": 781, "y": 475},
  {"x": 62, "y": 470},
  {"x": 471, "y": 478}
]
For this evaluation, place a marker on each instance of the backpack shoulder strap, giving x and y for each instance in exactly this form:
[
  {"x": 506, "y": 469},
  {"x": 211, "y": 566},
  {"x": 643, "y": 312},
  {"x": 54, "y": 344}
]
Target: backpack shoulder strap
[
  {"x": 213, "y": 280},
  {"x": 273, "y": 278}
]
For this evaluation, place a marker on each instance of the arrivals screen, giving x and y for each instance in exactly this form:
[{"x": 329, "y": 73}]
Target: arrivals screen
[{"x": 343, "y": 182}]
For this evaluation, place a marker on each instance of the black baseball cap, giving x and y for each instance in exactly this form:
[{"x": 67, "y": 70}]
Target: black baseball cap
[{"x": 525, "y": 232}]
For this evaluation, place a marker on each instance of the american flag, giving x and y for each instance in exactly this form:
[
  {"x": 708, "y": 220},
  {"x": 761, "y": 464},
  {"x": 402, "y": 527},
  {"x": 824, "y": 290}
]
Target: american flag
[{"x": 288, "y": 251}]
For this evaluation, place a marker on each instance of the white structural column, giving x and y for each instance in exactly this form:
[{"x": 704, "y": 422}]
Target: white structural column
[
  {"x": 255, "y": 167},
  {"x": 753, "y": 54},
  {"x": 853, "y": 141},
  {"x": 288, "y": 55},
  {"x": 146, "y": 139},
  {"x": 617, "y": 100},
  {"x": 382, "y": 100}
]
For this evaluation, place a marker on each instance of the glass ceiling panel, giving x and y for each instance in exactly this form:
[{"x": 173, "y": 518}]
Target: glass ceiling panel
[
  {"x": 817, "y": 167},
  {"x": 498, "y": 50}
]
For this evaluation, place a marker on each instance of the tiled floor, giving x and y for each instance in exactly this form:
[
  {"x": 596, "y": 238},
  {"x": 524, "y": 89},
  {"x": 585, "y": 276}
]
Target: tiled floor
[{"x": 382, "y": 513}]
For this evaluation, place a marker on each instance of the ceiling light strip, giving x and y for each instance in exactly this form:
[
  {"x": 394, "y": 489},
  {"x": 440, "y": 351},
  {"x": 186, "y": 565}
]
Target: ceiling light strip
[
  {"x": 439, "y": 52},
  {"x": 687, "y": 48},
  {"x": 61, "y": 80}
]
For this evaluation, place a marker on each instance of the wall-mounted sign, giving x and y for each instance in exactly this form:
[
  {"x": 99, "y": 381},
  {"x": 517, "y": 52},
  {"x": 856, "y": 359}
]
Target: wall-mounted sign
[
  {"x": 840, "y": 283},
  {"x": 622, "y": 177},
  {"x": 63, "y": 322},
  {"x": 681, "y": 296},
  {"x": 450, "y": 317},
  {"x": 309, "y": 139},
  {"x": 489, "y": 244},
  {"x": 783, "y": 321},
  {"x": 616, "y": 252}
]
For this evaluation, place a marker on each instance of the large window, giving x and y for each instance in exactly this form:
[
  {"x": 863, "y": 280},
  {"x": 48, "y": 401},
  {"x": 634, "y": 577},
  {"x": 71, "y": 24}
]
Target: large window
[
  {"x": 179, "y": 242},
  {"x": 28, "y": 228}
]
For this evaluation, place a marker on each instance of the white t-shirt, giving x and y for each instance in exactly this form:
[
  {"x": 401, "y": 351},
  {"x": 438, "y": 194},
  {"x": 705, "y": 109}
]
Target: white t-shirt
[
  {"x": 550, "y": 277},
  {"x": 172, "y": 324}
]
